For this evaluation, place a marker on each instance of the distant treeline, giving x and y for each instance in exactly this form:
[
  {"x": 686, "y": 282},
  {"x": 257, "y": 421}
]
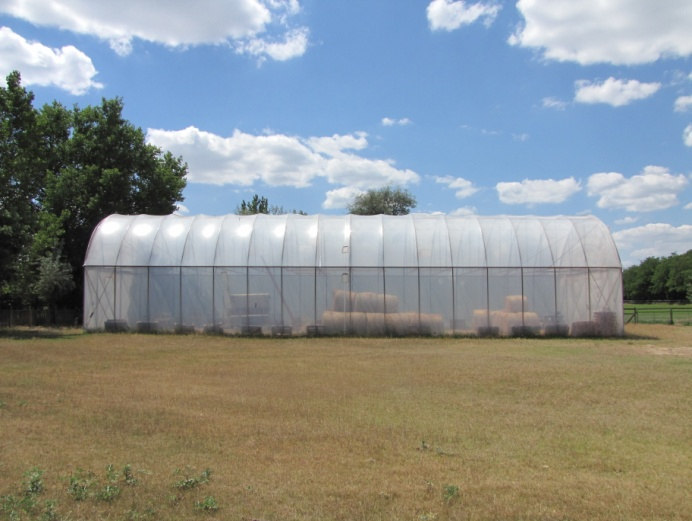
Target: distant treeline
[{"x": 664, "y": 278}]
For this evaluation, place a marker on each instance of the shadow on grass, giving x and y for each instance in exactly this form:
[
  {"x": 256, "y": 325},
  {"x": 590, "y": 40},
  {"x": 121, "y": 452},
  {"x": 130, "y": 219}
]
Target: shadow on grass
[{"x": 28, "y": 333}]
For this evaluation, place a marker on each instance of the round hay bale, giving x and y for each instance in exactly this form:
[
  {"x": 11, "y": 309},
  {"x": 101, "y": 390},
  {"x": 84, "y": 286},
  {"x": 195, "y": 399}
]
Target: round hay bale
[
  {"x": 342, "y": 300},
  {"x": 334, "y": 322},
  {"x": 515, "y": 303},
  {"x": 431, "y": 324},
  {"x": 359, "y": 323},
  {"x": 368, "y": 302},
  {"x": 395, "y": 324},
  {"x": 376, "y": 324},
  {"x": 391, "y": 303},
  {"x": 480, "y": 318}
]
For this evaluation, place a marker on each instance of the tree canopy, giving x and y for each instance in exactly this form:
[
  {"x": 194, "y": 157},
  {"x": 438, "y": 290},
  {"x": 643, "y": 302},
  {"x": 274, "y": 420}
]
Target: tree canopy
[
  {"x": 387, "y": 201},
  {"x": 260, "y": 204},
  {"x": 667, "y": 278},
  {"x": 62, "y": 171}
]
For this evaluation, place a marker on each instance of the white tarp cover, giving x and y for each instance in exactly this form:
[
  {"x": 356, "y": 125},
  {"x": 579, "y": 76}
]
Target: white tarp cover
[{"x": 347, "y": 274}]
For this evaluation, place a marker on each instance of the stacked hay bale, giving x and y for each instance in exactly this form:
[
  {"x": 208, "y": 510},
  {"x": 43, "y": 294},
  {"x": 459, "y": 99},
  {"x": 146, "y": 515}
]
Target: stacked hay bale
[
  {"x": 376, "y": 314},
  {"x": 512, "y": 320}
]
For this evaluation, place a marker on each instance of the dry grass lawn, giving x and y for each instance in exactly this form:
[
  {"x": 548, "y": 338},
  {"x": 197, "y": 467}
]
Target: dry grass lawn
[{"x": 349, "y": 428}]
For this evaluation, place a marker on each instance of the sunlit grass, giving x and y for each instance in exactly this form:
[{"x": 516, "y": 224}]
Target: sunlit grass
[{"x": 344, "y": 429}]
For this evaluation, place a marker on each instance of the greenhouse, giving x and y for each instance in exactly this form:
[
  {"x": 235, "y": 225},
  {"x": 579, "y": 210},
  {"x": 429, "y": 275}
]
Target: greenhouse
[{"x": 419, "y": 274}]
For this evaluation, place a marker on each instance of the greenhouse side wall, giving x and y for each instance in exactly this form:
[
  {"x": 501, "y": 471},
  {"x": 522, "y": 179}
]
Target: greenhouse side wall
[
  {"x": 357, "y": 301},
  {"x": 426, "y": 293}
]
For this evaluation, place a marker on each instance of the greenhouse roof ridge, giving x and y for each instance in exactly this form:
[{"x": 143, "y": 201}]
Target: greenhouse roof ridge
[{"x": 293, "y": 240}]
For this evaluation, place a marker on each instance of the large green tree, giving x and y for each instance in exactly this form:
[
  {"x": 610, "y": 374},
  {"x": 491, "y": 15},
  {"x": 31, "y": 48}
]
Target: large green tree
[
  {"x": 62, "y": 171},
  {"x": 387, "y": 201},
  {"x": 667, "y": 278},
  {"x": 21, "y": 177}
]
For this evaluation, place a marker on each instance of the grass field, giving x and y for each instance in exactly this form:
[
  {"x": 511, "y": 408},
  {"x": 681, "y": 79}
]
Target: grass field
[{"x": 345, "y": 429}]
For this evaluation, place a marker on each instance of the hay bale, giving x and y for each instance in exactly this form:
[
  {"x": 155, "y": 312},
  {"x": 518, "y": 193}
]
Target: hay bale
[
  {"x": 342, "y": 300},
  {"x": 431, "y": 324},
  {"x": 584, "y": 328},
  {"x": 515, "y": 303},
  {"x": 334, "y": 322},
  {"x": 606, "y": 323},
  {"x": 376, "y": 324},
  {"x": 480, "y": 318},
  {"x": 368, "y": 302},
  {"x": 359, "y": 323},
  {"x": 396, "y": 324}
]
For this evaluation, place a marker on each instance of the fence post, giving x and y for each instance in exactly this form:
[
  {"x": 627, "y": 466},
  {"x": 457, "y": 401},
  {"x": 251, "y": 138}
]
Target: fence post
[{"x": 671, "y": 316}]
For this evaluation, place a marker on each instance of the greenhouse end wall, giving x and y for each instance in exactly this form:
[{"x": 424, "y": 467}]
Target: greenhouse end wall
[{"x": 354, "y": 275}]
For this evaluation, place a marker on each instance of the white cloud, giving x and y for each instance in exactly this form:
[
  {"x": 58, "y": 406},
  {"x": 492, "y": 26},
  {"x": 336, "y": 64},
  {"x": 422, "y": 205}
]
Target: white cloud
[
  {"x": 624, "y": 32},
  {"x": 278, "y": 159},
  {"x": 464, "y": 210},
  {"x": 537, "y": 191},
  {"x": 626, "y": 220},
  {"x": 463, "y": 187},
  {"x": 554, "y": 103},
  {"x": 175, "y": 23},
  {"x": 613, "y": 92},
  {"x": 687, "y": 135},
  {"x": 340, "y": 197},
  {"x": 391, "y": 122},
  {"x": 683, "y": 104},
  {"x": 67, "y": 68},
  {"x": 688, "y": 206},
  {"x": 652, "y": 240},
  {"x": 449, "y": 15},
  {"x": 294, "y": 45},
  {"x": 654, "y": 189}
]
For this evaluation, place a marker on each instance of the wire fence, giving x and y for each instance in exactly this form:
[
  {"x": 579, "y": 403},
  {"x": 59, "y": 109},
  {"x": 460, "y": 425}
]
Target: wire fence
[
  {"x": 40, "y": 317},
  {"x": 680, "y": 315}
]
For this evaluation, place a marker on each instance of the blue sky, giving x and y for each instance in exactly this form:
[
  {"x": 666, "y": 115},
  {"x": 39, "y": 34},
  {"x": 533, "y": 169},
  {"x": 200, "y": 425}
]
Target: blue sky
[{"x": 538, "y": 107}]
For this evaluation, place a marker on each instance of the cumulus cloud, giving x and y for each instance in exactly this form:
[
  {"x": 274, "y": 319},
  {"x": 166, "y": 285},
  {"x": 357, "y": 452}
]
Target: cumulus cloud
[
  {"x": 613, "y": 92},
  {"x": 340, "y": 197},
  {"x": 683, "y": 104},
  {"x": 279, "y": 160},
  {"x": 393, "y": 122},
  {"x": 654, "y": 189},
  {"x": 537, "y": 191},
  {"x": 687, "y": 135},
  {"x": 251, "y": 24},
  {"x": 652, "y": 240},
  {"x": 67, "y": 68},
  {"x": 623, "y": 32},
  {"x": 449, "y": 15},
  {"x": 295, "y": 44},
  {"x": 463, "y": 187},
  {"x": 463, "y": 211}
]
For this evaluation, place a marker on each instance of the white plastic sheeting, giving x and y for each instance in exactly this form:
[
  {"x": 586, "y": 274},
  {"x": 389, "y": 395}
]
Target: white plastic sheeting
[{"x": 365, "y": 275}]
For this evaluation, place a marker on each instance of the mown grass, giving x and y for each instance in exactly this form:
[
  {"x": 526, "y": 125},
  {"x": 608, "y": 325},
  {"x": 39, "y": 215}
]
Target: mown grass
[{"x": 348, "y": 429}]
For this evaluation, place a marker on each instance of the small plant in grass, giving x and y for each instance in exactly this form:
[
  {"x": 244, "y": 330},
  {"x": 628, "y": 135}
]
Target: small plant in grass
[
  {"x": 189, "y": 482},
  {"x": 208, "y": 504},
  {"x": 110, "y": 490},
  {"x": 129, "y": 477},
  {"x": 33, "y": 482},
  {"x": 450, "y": 493},
  {"x": 79, "y": 485}
]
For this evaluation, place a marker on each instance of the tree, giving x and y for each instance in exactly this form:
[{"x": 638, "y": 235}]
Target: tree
[
  {"x": 261, "y": 205},
  {"x": 668, "y": 278},
  {"x": 21, "y": 177},
  {"x": 107, "y": 168},
  {"x": 387, "y": 201},
  {"x": 61, "y": 172}
]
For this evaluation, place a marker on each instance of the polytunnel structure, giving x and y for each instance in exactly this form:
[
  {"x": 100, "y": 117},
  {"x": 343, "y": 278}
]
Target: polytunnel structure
[{"x": 359, "y": 275}]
